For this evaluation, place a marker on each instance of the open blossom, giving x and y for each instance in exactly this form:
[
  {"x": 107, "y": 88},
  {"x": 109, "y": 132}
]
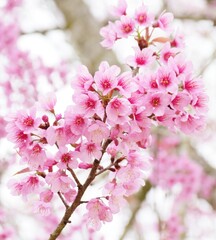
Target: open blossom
[
  {"x": 76, "y": 121},
  {"x": 83, "y": 80},
  {"x": 97, "y": 132},
  {"x": 106, "y": 78},
  {"x": 167, "y": 80},
  {"x": 180, "y": 65},
  {"x": 142, "y": 58},
  {"x": 43, "y": 208},
  {"x": 156, "y": 103},
  {"x": 109, "y": 34},
  {"x": 89, "y": 104},
  {"x": 59, "y": 181},
  {"x": 167, "y": 52},
  {"x": 125, "y": 26},
  {"x": 143, "y": 17},
  {"x": 120, "y": 9},
  {"x": 118, "y": 110},
  {"x": 164, "y": 21},
  {"x": 29, "y": 184},
  {"x": 97, "y": 212},
  {"x": 27, "y": 122},
  {"x": 48, "y": 101},
  {"x": 90, "y": 151},
  {"x": 66, "y": 159}
]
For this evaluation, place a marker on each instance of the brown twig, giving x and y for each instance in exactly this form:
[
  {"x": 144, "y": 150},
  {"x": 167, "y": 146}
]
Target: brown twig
[
  {"x": 69, "y": 211},
  {"x": 79, "y": 185},
  {"x": 63, "y": 200}
]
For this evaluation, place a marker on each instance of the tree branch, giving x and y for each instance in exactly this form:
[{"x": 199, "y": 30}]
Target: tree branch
[{"x": 69, "y": 211}]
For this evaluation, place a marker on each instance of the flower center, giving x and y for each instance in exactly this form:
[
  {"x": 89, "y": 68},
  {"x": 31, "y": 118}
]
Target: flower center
[{"x": 28, "y": 122}]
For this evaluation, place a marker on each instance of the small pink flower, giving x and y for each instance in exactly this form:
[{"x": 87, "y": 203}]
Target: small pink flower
[
  {"x": 77, "y": 122},
  {"x": 97, "y": 132},
  {"x": 43, "y": 208},
  {"x": 27, "y": 185},
  {"x": 59, "y": 181},
  {"x": 35, "y": 156},
  {"x": 27, "y": 122},
  {"x": 199, "y": 103},
  {"x": 180, "y": 101},
  {"x": 83, "y": 80},
  {"x": 106, "y": 78},
  {"x": 189, "y": 124},
  {"x": 97, "y": 212},
  {"x": 48, "y": 101},
  {"x": 90, "y": 151},
  {"x": 125, "y": 26},
  {"x": 156, "y": 103},
  {"x": 66, "y": 158},
  {"x": 164, "y": 21},
  {"x": 70, "y": 195},
  {"x": 167, "y": 80},
  {"x": 89, "y": 104},
  {"x": 126, "y": 84},
  {"x": 120, "y": 9},
  {"x": 109, "y": 34},
  {"x": 192, "y": 85},
  {"x": 180, "y": 65},
  {"x": 167, "y": 52},
  {"x": 118, "y": 110},
  {"x": 143, "y": 17},
  {"x": 142, "y": 58},
  {"x": 46, "y": 196}
]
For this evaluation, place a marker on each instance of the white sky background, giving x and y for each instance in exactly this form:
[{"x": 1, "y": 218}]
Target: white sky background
[{"x": 53, "y": 47}]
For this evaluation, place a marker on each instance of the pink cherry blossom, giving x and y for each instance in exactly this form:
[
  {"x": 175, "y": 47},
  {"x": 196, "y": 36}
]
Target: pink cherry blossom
[
  {"x": 143, "y": 17},
  {"x": 156, "y": 103},
  {"x": 46, "y": 196},
  {"x": 164, "y": 21},
  {"x": 97, "y": 212},
  {"x": 27, "y": 122},
  {"x": 167, "y": 80},
  {"x": 83, "y": 80},
  {"x": 66, "y": 158},
  {"x": 118, "y": 110},
  {"x": 180, "y": 101},
  {"x": 48, "y": 101},
  {"x": 106, "y": 78},
  {"x": 97, "y": 131},
  {"x": 42, "y": 208},
  {"x": 89, "y": 104},
  {"x": 125, "y": 26},
  {"x": 59, "y": 181},
  {"x": 90, "y": 151},
  {"x": 109, "y": 34},
  {"x": 120, "y": 9},
  {"x": 167, "y": 52},
  {"x": 142, "y": 58},
  {"x": 77, "y": 122}
]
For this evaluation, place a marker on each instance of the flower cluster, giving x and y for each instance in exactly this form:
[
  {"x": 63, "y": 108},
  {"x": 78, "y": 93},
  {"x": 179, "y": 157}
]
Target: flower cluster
[
  {"x": 166, "y": 86},
  {"x": 109, "y": 123}
]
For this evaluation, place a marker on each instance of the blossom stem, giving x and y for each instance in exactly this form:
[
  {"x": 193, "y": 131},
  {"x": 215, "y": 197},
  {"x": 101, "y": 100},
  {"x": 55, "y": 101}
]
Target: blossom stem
[
  {"x": 79, "y": 185},
  {"x": 63, "y": 200},
  {"x": 69, "y": 211}
]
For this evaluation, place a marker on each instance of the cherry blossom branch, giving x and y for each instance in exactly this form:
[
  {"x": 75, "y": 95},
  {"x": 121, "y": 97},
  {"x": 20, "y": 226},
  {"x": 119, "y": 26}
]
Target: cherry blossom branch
[
  {"x": 69, "y": 211},
  {"x": 79, "y": 185},
  {"x": 61, "y": 197}
]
